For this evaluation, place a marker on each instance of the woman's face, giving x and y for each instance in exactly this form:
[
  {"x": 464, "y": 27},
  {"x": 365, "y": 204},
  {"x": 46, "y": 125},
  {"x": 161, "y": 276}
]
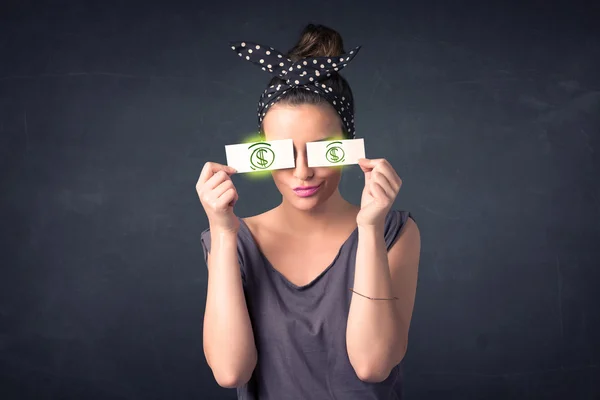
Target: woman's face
[{"x": 304, "y": 123}]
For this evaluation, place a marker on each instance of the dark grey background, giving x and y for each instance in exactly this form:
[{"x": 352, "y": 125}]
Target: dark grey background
[{"x": 489, "y": 111}]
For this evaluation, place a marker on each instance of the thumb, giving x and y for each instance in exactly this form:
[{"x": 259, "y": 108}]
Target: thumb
[
  {"x": 367, "y": 172},
  {"x": 365, "y": 164}
]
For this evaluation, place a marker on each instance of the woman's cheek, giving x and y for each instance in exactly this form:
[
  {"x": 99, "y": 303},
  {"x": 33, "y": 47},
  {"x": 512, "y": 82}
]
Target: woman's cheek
[{"x": 280, "y": 179}]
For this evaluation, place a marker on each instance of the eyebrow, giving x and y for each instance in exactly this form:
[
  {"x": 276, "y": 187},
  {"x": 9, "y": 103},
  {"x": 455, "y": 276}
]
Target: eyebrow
[{"x": 328, "y": 138}]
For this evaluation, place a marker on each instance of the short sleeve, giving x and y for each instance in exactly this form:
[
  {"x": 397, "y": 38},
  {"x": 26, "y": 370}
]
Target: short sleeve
[
  {"x": 394, "y": 224},
  {"x": 205, "y": 240}
]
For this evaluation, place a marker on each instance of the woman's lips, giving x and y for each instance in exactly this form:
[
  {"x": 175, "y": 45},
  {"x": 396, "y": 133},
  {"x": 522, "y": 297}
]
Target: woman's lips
[{"x": 306, "y": 191}]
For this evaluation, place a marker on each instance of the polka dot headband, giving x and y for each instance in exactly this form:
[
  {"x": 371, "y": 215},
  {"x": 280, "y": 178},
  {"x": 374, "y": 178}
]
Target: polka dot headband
[{"x": 305, "y": 73}]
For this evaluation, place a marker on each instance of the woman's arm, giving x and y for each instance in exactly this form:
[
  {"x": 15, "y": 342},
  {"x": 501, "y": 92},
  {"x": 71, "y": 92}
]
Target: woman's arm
[
  {"x": 228, "y": 339},
  {"x": 377, "y": 330}
]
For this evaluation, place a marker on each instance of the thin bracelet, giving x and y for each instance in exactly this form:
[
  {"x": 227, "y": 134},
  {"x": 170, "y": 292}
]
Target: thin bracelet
[{"x": 373, "y": 298}]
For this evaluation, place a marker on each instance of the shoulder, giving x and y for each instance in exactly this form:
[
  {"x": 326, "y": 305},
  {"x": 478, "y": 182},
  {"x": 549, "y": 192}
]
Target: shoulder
[
  {"x": 401, "y": 216},
  {"x": 404, "y": 244},
  {"x": 406, "y": 220},
  {"x": 399, "y": 223},
  {"x": 244, "y": 240}
]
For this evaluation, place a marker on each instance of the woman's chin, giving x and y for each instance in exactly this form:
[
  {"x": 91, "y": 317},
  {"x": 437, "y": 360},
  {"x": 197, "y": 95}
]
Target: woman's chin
[{"x": 306, "y": 204}]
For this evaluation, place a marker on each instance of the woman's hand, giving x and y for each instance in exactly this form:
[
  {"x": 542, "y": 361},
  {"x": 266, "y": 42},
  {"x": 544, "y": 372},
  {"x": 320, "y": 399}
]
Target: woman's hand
[
  {"x": 218, "y": 195},
  {"x": 382, "y": 185}
]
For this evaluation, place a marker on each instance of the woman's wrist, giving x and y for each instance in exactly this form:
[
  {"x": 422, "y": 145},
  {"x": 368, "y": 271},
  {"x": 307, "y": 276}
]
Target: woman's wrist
[
  {"x": 221, "y": 237},
  {"x": 371, "y": 228}
]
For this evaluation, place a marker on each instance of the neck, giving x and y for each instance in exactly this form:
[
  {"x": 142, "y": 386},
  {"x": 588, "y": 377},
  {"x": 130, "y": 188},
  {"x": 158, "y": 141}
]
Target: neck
[{"x": 323, "y": 218}]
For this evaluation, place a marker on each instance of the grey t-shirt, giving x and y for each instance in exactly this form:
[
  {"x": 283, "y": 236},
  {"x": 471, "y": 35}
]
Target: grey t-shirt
[{"x": 300, "y": 331}]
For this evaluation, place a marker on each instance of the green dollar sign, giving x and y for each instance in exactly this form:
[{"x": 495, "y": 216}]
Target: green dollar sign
[
  {"x": 334, "y": 156},
  {"x": 262, "y": 161},
  {"x": 261, "y": 157}
]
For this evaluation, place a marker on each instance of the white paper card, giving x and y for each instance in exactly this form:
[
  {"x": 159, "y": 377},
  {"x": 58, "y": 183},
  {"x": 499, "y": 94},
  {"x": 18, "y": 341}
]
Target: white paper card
[
  {"x": 260, "y": 156},
  {"x": 335, "y": 152}
]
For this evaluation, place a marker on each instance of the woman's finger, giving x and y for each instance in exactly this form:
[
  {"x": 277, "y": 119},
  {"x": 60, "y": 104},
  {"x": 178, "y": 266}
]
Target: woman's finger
[
  {"x": 221, "y": 188},
  {"x": 379, "y": 193},
  {"x": 210, "y": 169},
  {"x": 227, "y": 199},
  {"x": 389, "y": 172},
  {"x": 215, "y": 180},
  {"x": 385, "y": 184}
]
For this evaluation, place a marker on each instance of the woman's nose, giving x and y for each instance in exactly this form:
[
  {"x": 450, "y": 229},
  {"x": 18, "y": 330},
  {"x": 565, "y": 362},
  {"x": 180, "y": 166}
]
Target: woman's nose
[{"x": 302, "y": 171}]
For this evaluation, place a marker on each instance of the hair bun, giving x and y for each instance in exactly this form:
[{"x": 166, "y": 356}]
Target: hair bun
[{"x": 317, "y": 41}]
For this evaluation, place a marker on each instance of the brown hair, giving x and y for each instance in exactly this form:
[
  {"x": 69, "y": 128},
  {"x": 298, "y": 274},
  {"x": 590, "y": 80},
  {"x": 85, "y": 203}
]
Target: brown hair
[{"x": 316, "y": 41}]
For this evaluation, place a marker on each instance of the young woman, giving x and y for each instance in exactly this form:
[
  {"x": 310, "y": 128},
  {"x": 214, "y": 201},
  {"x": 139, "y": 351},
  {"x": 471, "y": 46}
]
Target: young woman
[{"x": 312, "y": 299}]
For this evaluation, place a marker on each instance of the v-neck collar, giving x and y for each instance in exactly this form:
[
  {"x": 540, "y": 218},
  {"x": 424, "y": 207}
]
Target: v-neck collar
[{"x": 286, "y": 280}]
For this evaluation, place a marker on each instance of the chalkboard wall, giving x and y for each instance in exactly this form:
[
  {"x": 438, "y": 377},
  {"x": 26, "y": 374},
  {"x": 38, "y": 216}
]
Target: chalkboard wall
[{"x": 489, "y": 111}]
